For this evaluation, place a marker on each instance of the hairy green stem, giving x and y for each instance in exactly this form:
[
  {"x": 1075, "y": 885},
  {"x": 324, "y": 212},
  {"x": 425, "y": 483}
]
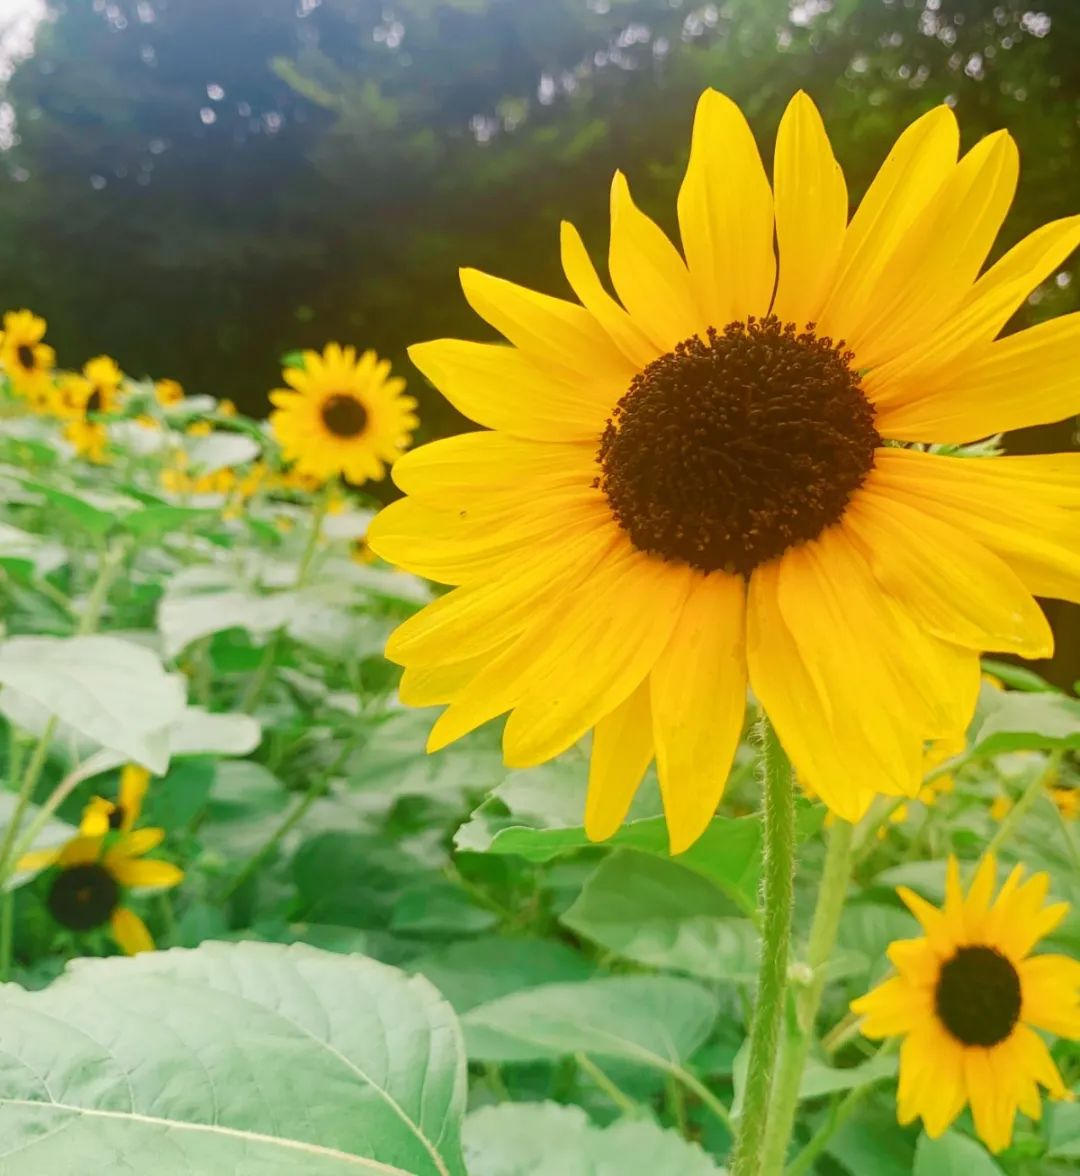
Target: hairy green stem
[
  {"x": 835, "y": 877},
  {"x": 778, "y": 867}
]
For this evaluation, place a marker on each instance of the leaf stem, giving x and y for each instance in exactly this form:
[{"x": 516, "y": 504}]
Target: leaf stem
[
  {"x": 776, "y": 902},
  {"x": 623, "y": 1101},
  {"x": 698, "y": 1088},
  {"x": 1027, "y": 798},
  {"x": 835, "y": 877}
]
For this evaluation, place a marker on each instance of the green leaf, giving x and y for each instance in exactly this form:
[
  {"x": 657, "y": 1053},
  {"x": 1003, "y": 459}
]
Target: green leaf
[
  {"x": 657, "y": 912},
  {"x": 819, "y": 1080},
  {"x": 231, "y": 1058},
  {"x": 656, "y": 1021},
  {"x": 111, "y": 691},
  {"x": 153, "y": 521},
  {"x": 1063, "y": 1119},
  {"x": 473, "y": 973},
  {"x": 438, "y": 907},
  {"x": 952, "y": 1155},
  {"x": 1022, "y": 721},
  {"x": 537, "y": 815},
  {"x": 546, "y": 1139},
  {"x": 87, "y": 516},
  {"x": 1017, "y": 677}
]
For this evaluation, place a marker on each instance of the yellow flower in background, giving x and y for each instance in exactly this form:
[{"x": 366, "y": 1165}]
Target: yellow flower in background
[
  {"x": 94, "y": 871},
  {"x": 693, "y": 488},
  {"x": 1067, "y": 802},
  {"x": 90, "y": 439},
  {"x": 342, "y": 415},
  {"x": 104, "y": 378},
  {"x": 1000, "y": 807},
  {"x": 27, "y": 360},
  {"x": 168, "y": 392},
  {"x": 298, "y": 479},
  {"x": 967, "y": 1000},
  {"x": 199, "y": 429},
  {"x": 226, "y": 408},
  {"x": 101, "y": 815}
]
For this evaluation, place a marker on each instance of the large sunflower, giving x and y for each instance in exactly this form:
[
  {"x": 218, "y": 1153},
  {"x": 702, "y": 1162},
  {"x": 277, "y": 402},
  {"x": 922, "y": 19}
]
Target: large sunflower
[
  {"x": 968, "y": 999},
  {"x": 721, "y": 478},
  {"x": 27, "y": 360},
  {"x": 343, "y": 415}
]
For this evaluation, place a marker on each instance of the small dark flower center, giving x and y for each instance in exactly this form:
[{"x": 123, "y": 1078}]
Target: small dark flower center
[
  {"x": 978, "y": 996},
  {"x": 730, "y": 449},
  {"x": 26, "y": 356},
  {"x": 93, "y": 401},
  {"x": 344, "y": 415},
  {"x": 83, "y": 897},
  {"x": 116, "y": 816}
]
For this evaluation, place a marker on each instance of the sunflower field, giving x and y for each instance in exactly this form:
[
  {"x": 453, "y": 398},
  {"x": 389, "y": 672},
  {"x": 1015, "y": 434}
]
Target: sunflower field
[{"x": 774, "y": 867}]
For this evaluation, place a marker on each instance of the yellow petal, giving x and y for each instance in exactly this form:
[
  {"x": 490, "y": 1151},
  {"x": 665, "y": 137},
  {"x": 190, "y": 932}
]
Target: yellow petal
[
  {"x": 834, "y": 766},
  {"x": 698, "y": 690},
  {"x": 134, "y": 781},
  {"x": 584, "y": 281},
  {"x": 507, "y": 389},
  {"x": 130, "y": 932},
  {"x": 649, "y": 275},
  {"x": 1051, "y": 994},
  {"x": 983, "y": 312},
  {"x": 134, "y": 844},
  {"x": 725, "y": 215},
  {"x": 560, "y": 335},
  {"x": 132, "y": 872},
  {"x": 95, "y": 818},
  {"x": 622, "y": 750},
  {"x": 474, "y": 466},
  {"x": 938, "y": 258},
  {"x": 958, "y": 589},
  {"x": 1022, "y": 508},
  {"x": 1029, "y": 378},
  {"x": 80, "y": 851},
  {"x": 991, "y": 1107},
  {"x": 603, "y": 646},
  {"x": 891, "y": 1008},
  {"x": 811, "y": 212},
  {"x": 436, "y": 685},
  {"x": 915, "y": 169},
  {"x": 38, "y": 859}
]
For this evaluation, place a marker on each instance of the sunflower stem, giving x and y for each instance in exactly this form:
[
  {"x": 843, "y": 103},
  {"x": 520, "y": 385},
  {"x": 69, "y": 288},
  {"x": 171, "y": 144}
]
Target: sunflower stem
[
  {"x": 1027, "y": 798},
  {"x": 776, "y": 902},
  {"x": 835, "y": 877},
  {"x": 261, "y": 678}
]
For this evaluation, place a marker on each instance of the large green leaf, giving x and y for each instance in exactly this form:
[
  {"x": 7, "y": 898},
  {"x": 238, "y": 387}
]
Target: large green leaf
[
  {"x": 655, "y": 1021},
  {"x": 1021, "y": 721},
  {"x": 654, "y": 911},
  {"x": 952, "y": 1155},
  {"x": 240, "y": 1058},
  {"x": 111, "y": 691},
  {"x": 472, "y": 973},
  {"x": 546, "y": 1139}
]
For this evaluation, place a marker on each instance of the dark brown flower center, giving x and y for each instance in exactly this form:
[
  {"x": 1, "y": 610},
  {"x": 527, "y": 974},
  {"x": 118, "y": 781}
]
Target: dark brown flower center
[
  {"x": 116, "y": 816},
  {"x": 83, "y": 897},
  {"x": 730, "y": 449},
  {"x": 978, "y": 996},
  {"x": 344, "y": 415},
  {"x": 94, "y": 401},
  {"x": 26, "y": 356}
]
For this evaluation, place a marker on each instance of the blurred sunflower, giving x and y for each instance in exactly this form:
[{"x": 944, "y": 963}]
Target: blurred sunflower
[
  {"x": 968, "y": 999},
  {"x": 103, "y": 377},
  {"x": 94, "y": 869},
  {"x": 700, "y": 485},
  {"x": 168, "y": 392},
  {"x": 26, "y": 359},
  {"x": 342, "y": 415}
]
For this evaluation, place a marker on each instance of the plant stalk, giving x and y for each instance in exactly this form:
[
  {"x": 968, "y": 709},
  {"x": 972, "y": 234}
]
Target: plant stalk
[
  {"x": 778, "y": 869},
  {"x": 835, "y": 877}
]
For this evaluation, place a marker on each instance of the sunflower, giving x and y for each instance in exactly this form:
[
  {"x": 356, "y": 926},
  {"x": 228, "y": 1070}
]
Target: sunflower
[
  {"x": 720, "y": 479},
  {"x": 26, "y": 359},
  {"x": 967, "y": 1000},
  {"x": 168, "y": 392},
  {"x": 343, "y": 415},
  {"x": 93, "y": 869}
]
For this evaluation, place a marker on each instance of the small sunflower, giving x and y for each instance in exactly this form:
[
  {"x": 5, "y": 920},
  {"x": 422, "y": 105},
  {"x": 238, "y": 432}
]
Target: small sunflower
[
  {"x": 26, "y": 359},
  {"x": 93, "y": 871},
  {"x": 342, "y": 415},
  {"x": 168, "y": 392},
  {"x": 104, "y": 378},
  {"x": 722, "y": 478},
  {"x": 967, "y": 1000}
]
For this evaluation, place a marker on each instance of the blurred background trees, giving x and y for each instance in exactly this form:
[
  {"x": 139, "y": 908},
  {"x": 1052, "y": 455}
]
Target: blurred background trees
[{"x": 197, "y": 186}]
